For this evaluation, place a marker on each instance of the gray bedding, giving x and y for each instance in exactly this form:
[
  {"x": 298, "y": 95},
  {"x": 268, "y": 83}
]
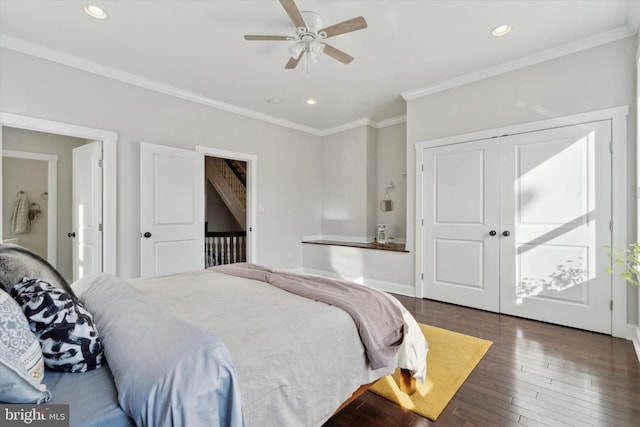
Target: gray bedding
[
  {"x": 168, "y": 371},
  {"x": 91, "y": 396}
]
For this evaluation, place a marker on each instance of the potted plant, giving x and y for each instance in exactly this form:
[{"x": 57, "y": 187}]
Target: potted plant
[{"x": 629, "y": 259}]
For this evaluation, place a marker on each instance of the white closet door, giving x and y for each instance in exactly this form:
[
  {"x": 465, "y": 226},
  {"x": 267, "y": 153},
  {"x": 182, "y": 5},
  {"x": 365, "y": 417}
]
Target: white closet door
[
  {"x": 556, "y": 205},
  {"x": 171, "y": 210},
  {"x": 461, "y": 202}
]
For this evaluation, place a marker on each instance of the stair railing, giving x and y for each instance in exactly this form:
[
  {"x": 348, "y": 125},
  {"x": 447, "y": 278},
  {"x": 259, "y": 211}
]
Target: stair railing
[{"x": 226, "y": 247}]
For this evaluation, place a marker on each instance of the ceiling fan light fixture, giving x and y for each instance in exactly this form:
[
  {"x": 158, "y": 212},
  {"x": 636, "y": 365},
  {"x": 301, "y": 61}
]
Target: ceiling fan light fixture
[
  {"x": 501, "y": 30},
  {"x": 316, "y": 47},
  {"x": 95, "y": 11},
  {"x": 296, "y": 49},
  {"x": 311, "y": 57}
]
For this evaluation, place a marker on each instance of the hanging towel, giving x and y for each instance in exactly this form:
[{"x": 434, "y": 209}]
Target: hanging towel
[
  {"x": 20, "y": 223},
  {"x": 34, "y": 211}
]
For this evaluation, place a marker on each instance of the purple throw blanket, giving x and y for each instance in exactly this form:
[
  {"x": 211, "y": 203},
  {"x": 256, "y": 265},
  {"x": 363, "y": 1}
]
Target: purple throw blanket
[{"x": 378, "y": 320}]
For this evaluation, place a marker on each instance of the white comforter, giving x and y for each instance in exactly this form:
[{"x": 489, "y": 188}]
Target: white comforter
[{"x": 296, "y": 359}]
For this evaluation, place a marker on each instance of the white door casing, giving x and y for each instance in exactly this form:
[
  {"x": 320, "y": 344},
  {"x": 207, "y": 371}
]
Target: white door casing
[
  {"x": 87, "y": 209},
  {"x": 171, "y": 210},
  {"x": 252, "y": 191},
  {"x": 548, "y": 195},
  {"x": 109, "y": 200}
]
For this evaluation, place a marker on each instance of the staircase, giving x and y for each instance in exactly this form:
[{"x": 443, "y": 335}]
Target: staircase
[{"x": 228, "y": 177}]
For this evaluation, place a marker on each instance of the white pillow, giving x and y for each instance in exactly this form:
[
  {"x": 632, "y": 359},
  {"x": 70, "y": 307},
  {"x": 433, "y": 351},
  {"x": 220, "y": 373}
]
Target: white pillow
[{"x": 21, "y": 361}]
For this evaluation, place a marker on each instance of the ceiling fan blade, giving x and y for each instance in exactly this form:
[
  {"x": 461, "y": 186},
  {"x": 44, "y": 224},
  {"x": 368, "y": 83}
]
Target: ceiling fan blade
[
  {"x": 250, "y": 37},
  {"x": 341, "y": 56},
  {"x": 354, "y": 24},
  {"x": 293, "y": 12},
  {"x": 293, "y": 62}
]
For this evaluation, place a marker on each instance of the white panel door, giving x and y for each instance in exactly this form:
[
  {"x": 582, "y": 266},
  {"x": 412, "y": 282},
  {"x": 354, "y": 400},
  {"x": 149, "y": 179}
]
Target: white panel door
[
  {"x": 87, "y": 209},
  {"x": 461, "y": 200},
  {"x": 171, "y": 210},
  {"x": 556, "y": 205}
]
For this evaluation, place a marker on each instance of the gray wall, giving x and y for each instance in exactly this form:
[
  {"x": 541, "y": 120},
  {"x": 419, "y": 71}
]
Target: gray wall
[
  {"x": 392, "y": 167},
  {"x": 357, "y": 163},
  {"x": 345, "y": 186},
  {"x": 31, "y": 177},
  {"x": 287, "y": 191}
]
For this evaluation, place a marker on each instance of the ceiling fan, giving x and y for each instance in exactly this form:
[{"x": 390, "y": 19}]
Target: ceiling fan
[{"x": 310, "y": 35}]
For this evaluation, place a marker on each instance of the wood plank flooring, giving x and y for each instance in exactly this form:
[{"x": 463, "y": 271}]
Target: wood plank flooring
[{"x": 535, "y": 374}]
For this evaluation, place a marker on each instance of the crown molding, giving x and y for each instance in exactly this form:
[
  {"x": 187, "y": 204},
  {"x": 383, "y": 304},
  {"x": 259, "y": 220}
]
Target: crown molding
[
  {"x": 537, "y": 58},
  {"x": 364, "y": 122},
  {"x": 23, "y": 46},
  {"x": 391, "y": 122},
  {"x": 347, "y": 126},
  {"x": 32, "y": 49}
]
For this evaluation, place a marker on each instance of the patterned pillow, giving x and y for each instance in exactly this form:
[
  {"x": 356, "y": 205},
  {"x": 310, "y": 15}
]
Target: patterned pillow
[
  {"x": 21, "y": 362},
  {"x": 67, "y": 333}
]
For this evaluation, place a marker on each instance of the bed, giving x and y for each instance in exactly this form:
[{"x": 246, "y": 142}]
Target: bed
[{"x": 280, "y": 359}]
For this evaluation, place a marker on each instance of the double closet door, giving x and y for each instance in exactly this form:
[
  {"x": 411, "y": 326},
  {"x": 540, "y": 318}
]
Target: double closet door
[{"x": 518, "y": 225}]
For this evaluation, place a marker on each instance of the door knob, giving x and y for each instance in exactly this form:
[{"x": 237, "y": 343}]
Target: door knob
[
  {"x": 72, "y": 234},
  {"x": 492, "y": 233},
  {"x": 506, "y": 233},
  {"x": 147, "y": 234}
]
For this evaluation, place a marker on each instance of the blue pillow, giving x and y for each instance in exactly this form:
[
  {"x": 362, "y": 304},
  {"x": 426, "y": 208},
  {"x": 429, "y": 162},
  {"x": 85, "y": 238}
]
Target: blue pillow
[{"x": 66, "y": 330}]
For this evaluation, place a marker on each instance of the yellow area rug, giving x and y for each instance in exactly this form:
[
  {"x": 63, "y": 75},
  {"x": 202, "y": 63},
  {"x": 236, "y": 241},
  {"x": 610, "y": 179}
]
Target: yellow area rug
[{"x": 451, "y": 359}]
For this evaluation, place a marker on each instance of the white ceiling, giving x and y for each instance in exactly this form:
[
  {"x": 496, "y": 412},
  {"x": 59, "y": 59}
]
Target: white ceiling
[{"x": 196, "y": 50}]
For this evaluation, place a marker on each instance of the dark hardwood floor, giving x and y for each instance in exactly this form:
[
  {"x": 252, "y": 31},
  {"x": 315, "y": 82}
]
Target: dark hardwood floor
[{"x": 535, "y": 374}]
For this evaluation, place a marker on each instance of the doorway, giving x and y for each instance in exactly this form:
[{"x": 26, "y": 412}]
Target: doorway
[
  {"x": 109, "y": 140},
  {"x": 172, "y": 224},
  {"x": 32, "y": 178},
  {"x": 250, "y": 164},
  {"x": 225, "y": 211}
]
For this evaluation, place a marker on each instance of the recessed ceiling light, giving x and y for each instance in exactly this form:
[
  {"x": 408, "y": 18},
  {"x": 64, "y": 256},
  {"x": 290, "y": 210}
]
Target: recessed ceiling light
[
  {"x": 274, "y": 100},
  {"x": 95, "y": 11},
  {"x": 312, "y": 101},
  {"x": 501, "y": 30}
]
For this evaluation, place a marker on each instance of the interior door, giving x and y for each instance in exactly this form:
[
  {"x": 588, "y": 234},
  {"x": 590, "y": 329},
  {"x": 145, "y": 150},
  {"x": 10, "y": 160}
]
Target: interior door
[
  {"x": 87, "y": 209},
  {"x": 171, "y": 210},
  {"x": 556, "y": 205},
  {"x": 461, "y": 202}
]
